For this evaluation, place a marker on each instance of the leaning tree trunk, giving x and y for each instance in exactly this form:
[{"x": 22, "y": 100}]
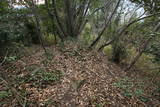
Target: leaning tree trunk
[
  {"x": 142, "y": 50},
  {"x": 105, "y": 26},
  {"x": 138, "y": 55},
  {"x": 123, "y": 29}
]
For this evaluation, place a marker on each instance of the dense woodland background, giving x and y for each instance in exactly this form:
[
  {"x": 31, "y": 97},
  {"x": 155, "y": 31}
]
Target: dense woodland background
[{"x": 35, "y": 38}]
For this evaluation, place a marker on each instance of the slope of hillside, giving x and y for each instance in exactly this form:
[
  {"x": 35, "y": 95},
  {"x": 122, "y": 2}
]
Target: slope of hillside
[{"x": 70, "y": 77}]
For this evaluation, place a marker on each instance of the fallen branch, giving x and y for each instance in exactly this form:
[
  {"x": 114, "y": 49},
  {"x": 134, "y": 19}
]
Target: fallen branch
[
  {"x": 155, "y": 68},
  {"x": 17, "y": 95}
]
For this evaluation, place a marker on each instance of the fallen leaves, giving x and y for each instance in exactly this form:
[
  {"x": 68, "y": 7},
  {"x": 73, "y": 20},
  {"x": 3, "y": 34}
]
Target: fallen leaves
[{"x": 87, "y": 79}]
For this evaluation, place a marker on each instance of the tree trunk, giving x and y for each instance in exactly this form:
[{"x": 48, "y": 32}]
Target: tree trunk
[
  {"x": 124, "y": 28},
  {"x": 52, "y": 20},
  {"x": 105, "y": 26},
  {"x": 145, "y": 44},
  {"x": 142, "y": 50},
  {"x": 59, "y": 24},
  {"x": 38, "y": 27}
]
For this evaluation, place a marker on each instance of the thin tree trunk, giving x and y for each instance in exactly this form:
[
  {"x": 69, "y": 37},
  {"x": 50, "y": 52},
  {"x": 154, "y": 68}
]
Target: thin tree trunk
[
  {"x": 58, "y": 20},
  {"x": 52, "y": 20},
  {"x": 138, "y": 55},
  {"x": 31, "y": 5},
  {"x": 122, "y": 30},
  {"x": 80, "y": 19},
  {"x": 38, "y": 27},
  {"x": 39, "y": 32},
  {"x": 105, "y": 26},
  {"x": 142, "y": 50}
]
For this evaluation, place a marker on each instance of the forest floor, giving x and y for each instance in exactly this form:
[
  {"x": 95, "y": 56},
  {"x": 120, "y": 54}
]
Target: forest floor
[{"x": 73, "y": 77}]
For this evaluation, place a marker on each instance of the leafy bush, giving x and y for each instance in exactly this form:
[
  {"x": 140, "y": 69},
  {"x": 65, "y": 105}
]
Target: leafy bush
[
  {"x": 31, "y": 35},
  {"x": 154, "y": 49},
  {"x": 12, "y": 51},
  {"x": 115, "y": 53},
  {"x": 49, "y": 39},
  {"x": 108, "y": 50},
  {"x": 86, "y": 36},
  {"x": 144, "y": 62},
  {"x": 119, "y": 52},
  {"x": 40, "y": 78},
  {"x": 12, "y": 30}
]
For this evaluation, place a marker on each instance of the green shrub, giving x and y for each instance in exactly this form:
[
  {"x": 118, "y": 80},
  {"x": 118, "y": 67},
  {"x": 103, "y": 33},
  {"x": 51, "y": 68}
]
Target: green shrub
[
  {"x": 39, "y": 77},
  {"x": 31, "y": 36},
  {"x": 154, "y": 49},
  {"x": 108, "y": 50},
  {"x": 144, "y": 62},
  {"x": 86, "y": 36},
  {"x": 115, "y": 53},
  {"x": 119, "y": 52},
  {"x": 131, "y": 52},
  {"x": 49, "y": 39}
]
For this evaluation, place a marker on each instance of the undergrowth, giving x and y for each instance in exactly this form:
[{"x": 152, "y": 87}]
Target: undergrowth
[{"x": 129, "y": 88}]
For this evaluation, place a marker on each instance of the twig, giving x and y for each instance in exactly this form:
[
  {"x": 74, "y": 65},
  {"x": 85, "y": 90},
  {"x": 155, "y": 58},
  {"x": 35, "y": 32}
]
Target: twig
[
  {"x": 16, "y": 94},
  {"x": 155, "y": 68},
  {"x": 4, "y": 59},
  {"x": 156, "y": 75}
]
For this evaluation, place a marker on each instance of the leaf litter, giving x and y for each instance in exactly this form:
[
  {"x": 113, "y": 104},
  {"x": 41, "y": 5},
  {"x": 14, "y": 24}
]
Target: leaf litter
[{"x": 88, "y": 80}]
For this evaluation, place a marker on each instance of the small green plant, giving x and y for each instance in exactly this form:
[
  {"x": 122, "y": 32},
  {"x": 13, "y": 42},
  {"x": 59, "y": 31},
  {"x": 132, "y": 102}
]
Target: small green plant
[
  {"x": 5, "y": 94},
  {"x": 49, "y": 55},
  {"x": 51, "y": 103},
  {"x": 125, "y": 86},
  {"x": 32, "y": 67},
  {"x": 11, "y": 58},
  {"x": 98, "y": 105},
  {"x": 139, "y": 92},
  {"x": 49, "y": 39},
  {"x": 95, "y": 102},
  {"x": 61, "y": 44},
  {"x": 156, "y": 93},
  {"x": 41, "y": 77},
  {"x": 51, "y": 76},
  {"x": 129, "y": 89}
]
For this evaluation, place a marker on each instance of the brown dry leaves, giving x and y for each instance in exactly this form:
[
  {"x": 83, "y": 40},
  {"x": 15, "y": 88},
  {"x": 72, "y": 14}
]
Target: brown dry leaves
[{"x": 87, "y": 81}]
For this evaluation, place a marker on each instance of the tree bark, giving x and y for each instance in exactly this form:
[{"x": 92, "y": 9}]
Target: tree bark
[
  {"x": 123, "y": 29},
  {"x": 37, "y": 19},
  {"x": 50, "y": 14},
  {"x": 138, "y": 55},
  {"x": 142, "y": 49},
  {"x": 105, "y": 26},
  {"x": 59, "y": 24}
]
